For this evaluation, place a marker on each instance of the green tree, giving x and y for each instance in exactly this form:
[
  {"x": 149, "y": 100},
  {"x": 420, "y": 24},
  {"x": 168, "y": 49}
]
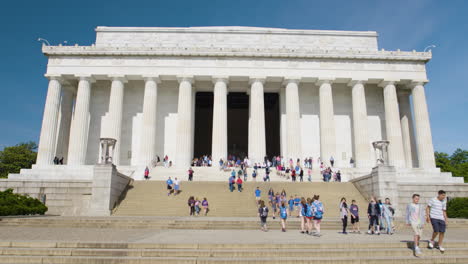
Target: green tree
[
  {"x": 14, "y": 158},
  {"x": 457, "y": 163}
]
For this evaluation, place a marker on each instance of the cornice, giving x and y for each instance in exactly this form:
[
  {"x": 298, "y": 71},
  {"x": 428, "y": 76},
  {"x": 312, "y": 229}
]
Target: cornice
[{"x": 237, "y": 52}]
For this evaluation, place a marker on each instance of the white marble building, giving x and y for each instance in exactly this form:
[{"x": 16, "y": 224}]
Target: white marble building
[{"x": 337, "y": 94}]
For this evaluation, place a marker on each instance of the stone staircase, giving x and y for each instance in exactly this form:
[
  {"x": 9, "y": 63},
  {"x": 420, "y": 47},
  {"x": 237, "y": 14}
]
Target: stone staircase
[
  {"x": 141, "y": 253},
  {"x": 149, "y": 198}
]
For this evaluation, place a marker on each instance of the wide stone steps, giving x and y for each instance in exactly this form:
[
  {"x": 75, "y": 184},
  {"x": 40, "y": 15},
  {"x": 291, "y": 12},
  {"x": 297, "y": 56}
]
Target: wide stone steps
[
  {"x": 72, "y": 252},
  {"x": 200, "y": 223},
  {"x": 149, "y": 198}
]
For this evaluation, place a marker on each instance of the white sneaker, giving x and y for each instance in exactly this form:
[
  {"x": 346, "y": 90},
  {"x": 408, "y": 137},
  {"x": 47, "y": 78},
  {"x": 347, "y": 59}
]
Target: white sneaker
[
  {"x": 431, "y": 244},
  {"x": 417, "y": 251},
  {"x": 369, "y": 232},
  {"x": 442, "y": 249}
]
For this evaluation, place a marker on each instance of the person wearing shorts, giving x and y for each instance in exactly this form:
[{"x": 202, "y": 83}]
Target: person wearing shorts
[
  {"x": 354, "y": 213},
  {"x": 436, "y": 214},
  {"x": 283, "y": 215},
  {"x": 318, "y": 211},
  {"x": 176, "y": 186},
  {"x": 309, "y": 216},
  {"x": 169, "y": 186},
  {"x": 415, "y": 219},
  {"x": 291, "y": 205},
  {"x": 263, "y": 214},
  {"x": 373, "y": 212},
  {"x": 258, "y": 194},
  {"x": 205, "y": 206}
]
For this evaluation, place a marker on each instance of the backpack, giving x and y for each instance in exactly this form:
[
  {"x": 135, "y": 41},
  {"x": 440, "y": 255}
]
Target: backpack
[
  {"x": 309, "y": 210},
  {"x": 318, "y": 211},
  {"x": 283, "y": 212},
  {"x": 264, "y": 212}
]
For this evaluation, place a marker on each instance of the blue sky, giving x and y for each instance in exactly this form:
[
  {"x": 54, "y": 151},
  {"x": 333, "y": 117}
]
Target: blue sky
[{"x": 405, "y": 25}]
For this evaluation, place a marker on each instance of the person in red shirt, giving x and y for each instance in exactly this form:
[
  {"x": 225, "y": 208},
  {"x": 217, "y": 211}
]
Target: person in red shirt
[{"x": 239, "y": 184}]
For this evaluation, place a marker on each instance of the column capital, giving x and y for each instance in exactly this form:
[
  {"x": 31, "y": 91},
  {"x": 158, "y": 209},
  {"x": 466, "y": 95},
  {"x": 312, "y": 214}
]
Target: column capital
[
  {"x": 220, "y": 78},
  {"x": 357, "y": 81},
  {"x": 387, "y": 82},
  {"x": 415, "y": 83},
  {"x": 154, "y": 78},
  {"x": 291, "y": 79},
  {"x": 121, "y": 78},
  {"x": 261, "y": 79},
  {"x": 56, "y": 77},
  {"x": 85, "y": 77},
  {"x": 324, "y": 80},
  {"x": 185, "y": 78}
]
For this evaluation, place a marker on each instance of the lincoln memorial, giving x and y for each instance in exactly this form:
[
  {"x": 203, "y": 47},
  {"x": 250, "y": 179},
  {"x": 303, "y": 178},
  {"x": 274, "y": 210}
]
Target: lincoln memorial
[{"x": 137, "y": 94}]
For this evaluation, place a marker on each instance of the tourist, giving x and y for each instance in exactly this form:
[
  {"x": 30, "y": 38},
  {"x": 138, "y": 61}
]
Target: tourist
[
  {"x": 291, "y": 205},
  {"x": 191, "y": 204},
  {"x": 239, "y": 184},
  {"x": 176, "y": 186},
  {"x": 283, "y": 192},
  {"x": 254, "y": 175},
  {"x": 381, "y": 217},
  {"x": 318, "y": 214},
  {"x": 351, "y": 162},
  {"x": 258, "y": 194},
  {"x": 190, "y": 174},
  {"x": 301, "y": 175},
  {"x": 169, "y": 186},
  {"x": 354, "y": 213},
  {"x": 415, "y": 219},
  {"x": 332, "y": 161},
  {"x": 197, "y": 206},
  {"x": 344, "y": 214},
  {"x": 205, "y": 206},
  {"x": 387, "y": 214},
  {"x": 274, "y": 204},
  {"x": 146, "y": 173},
  {"x": 338, "y": 176},
  {"x": 309, "y": 215},
  {"x": 283, "y": 210},
  {"x": 302, "y": 214},
  {"x": 297, "y": 202},
  {"x": 293, "y": 175},
  {"x": 263, "y": 214},
  {"x": 245, "y": 174},
  {"x": 166, "y": 160},
  {"x": 373, "y": 213},
  {"x": 61, "y": 161},
  {"x": 232, "y": 181},
  {"x": 436, "y": 214},
  {"x": 56, "y": 160},
  {"x": 286, "y": 173},
  {"x": 309, "y": 175},
  {"x": 233, "y": 173},
  {"x": 271, "y": 193}
]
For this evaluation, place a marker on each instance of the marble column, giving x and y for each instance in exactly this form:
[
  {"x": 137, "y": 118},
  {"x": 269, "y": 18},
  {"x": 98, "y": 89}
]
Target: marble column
[
  {"x": 63, "y": 135},
  {"x": 424, "y": 144},
  {"x": 327, "y": 121},
  {"x": 362, "y": 144},
  {"x": 219, "y": 138},
  {"x": 80, "y": 123},
  {"x": 257, "y": 139},
  {"x": 293, "y": 121},
  {"x": 148, "y": 130},
  {"x": 407, "y": 132},
  {"x": 115, "y": 114},
  {"x": 47, "y": 140},
  {"x": 396, "y": 154},
  {"x": 184, "y": 123}
]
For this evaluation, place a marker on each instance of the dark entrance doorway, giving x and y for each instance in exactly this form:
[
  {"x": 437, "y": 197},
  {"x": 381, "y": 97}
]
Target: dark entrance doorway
[
  {"x": 238, "y": 124},
  {"x": 203, "y": 123},
  {"x": 272, "y": 124}
]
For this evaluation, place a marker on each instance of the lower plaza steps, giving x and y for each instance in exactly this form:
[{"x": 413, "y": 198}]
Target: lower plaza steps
[{"x": 142, "y": 253}]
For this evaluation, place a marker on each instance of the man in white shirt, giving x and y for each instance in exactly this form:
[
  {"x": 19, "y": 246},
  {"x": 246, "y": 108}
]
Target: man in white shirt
[{"x": 436, "y": 214}]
